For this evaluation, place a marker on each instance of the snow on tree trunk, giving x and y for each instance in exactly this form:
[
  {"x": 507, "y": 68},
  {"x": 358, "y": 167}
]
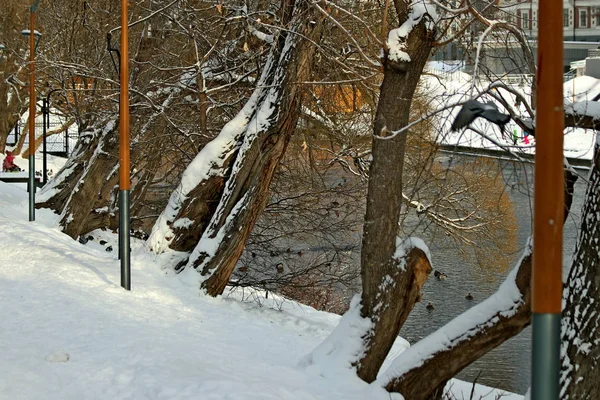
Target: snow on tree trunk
[
  {"x": 393, "y": 270},
  {"x": 409, "y": 49},
  {"x": 580, "y": 350},
  {"x": 423, "y": 369},
  {"x": 85, "y": 191},
  {"x": 262, "y": 147},
  {"x": 76, "y": 191},
  {"x": 225, "y": 188},
  {"x": 193, "y": 202},
  {"x": 57, "y": 193},
  {"x": 391, "y": 283}
]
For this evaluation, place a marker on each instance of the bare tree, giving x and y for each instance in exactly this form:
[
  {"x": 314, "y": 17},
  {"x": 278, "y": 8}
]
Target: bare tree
[{"x": 13, "y": 71}]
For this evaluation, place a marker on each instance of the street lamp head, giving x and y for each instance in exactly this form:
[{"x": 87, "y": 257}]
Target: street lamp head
[
  {"x": 36, "y": 34},
  {"x": 27, "y": 32}
]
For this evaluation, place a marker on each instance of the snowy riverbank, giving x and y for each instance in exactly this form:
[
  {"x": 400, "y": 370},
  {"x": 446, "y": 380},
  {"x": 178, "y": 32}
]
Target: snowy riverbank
[{"x": 70, "y": 331}]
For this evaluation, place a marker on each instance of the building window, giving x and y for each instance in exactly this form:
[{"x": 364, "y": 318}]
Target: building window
[
  {"x": 583, "y": 18},
  {"x": 525, "y": 19},
  {"x": 597, "y": 16},
  {"x": 565, "y": 17}
]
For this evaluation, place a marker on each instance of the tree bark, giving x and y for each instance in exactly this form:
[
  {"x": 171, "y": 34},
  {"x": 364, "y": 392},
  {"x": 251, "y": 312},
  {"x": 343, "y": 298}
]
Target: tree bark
[
  {"x": 56, "y": 194},
  {"x": 88, "y": 197},
  {"x": 384, "y": 201},
  {"x": 424, "y": 368},
  {"x": 580, "y": 329},
  {"x": 246, "y": 191},
  {"x": 212, "y": 216}
]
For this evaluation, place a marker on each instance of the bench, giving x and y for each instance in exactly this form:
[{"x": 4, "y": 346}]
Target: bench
[{"x": 16, "y": 177}]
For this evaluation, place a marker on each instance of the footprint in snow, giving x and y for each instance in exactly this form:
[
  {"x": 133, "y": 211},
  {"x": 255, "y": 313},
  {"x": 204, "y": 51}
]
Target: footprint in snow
[{"x": 58, "y": 357}]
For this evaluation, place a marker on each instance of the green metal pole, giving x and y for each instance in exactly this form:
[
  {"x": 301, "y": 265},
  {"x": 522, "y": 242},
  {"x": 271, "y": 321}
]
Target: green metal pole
[
  {"x": 124, "y": 242},
  {"x": 548, "y": 205}
]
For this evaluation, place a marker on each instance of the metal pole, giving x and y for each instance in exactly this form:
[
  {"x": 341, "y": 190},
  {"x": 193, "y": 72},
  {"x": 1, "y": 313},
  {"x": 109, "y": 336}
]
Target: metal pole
[
  {"x": 46, "y": 119},
  {"x": 31, "y": 116},
  {"x": 124, "y": 183},
  {"x": 548, "y": 206}
]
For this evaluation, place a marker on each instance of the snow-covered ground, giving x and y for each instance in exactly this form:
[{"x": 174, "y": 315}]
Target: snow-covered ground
[{"x": 70, "y": 332}]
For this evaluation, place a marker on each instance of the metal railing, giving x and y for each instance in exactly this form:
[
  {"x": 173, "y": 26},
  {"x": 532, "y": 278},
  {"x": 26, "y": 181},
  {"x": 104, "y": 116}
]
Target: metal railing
[{"x": 59, "y": 144}]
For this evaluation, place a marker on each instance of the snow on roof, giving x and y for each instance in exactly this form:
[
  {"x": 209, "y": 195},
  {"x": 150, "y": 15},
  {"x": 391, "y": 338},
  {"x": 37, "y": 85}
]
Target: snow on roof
[
  {"x": 581, "y": 88},
  {"x": 453, "y": 88}
]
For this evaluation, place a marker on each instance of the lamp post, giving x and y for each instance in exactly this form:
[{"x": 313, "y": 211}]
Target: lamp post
[
  {"x": 33, "y": 35},
  {"x": 548, "y": 206},
  {"x": 124, "y": 181},
  {"x": 46, "y": 117}
]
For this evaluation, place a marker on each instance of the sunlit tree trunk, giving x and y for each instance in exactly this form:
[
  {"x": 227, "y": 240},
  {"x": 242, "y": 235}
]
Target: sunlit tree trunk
[{"x": 213, "y": 217}]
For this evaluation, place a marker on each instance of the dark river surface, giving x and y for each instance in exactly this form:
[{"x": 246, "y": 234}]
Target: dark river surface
[{"x": 508, "y": 366}]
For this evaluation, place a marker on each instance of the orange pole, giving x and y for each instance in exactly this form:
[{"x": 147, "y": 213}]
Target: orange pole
[
  {"x": 549, "y": 178},
  {"x": 124, "y": 178},
  {"x": 548, "y": 205},
  {"x": 32, "y": 101},
  {"x": 124, "y": 183}
]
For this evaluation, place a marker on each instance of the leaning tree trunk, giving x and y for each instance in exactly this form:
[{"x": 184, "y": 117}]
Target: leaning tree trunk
[
  {"x": 391, "y": 283},
  {"x": 56, "y": 194},
  {"x": 224, "y": 190},
  {"x": 74, "y": 191},
  {"x": 580, "y": 350},
  {"x": 421, "y": 372},
  {"x": 85, "y": 191}
]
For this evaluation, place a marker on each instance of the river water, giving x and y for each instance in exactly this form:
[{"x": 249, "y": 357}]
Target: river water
[{"x": 508, "y": 366}]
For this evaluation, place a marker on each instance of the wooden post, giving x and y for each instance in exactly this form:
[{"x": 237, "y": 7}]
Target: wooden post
[{"x": 548, "y": 205}]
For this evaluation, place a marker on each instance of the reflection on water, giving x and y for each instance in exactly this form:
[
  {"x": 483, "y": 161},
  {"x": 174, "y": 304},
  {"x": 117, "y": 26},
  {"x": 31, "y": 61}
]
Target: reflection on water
[{"x": 508, "y": 366}]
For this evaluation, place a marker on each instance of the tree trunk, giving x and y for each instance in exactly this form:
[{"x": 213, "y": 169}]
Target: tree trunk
[
  {"x": 194, "y": 201},
  {"x": 88, "y": 197},
  {"x": 580, "y": 350},
  {"x": 7, "y": 124},
  {"x": 425, "y": 367},
  {"x": 422, "y": 371},
  {"x": 12, "y": 104},
  {"x": 215, "y": 214},
  {"x": 56, "y": 194},
  {"x": 246, "y": 191},
  {"x": 384, "y": 203}
]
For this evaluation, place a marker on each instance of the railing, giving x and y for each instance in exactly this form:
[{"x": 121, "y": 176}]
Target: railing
[
  {"x": 593, "y": 52},
  {"x": 59, "y": 144}
]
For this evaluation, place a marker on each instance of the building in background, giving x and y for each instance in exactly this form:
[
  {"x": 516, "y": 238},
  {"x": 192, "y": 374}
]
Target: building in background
[{"x": 502, "y": 55}]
